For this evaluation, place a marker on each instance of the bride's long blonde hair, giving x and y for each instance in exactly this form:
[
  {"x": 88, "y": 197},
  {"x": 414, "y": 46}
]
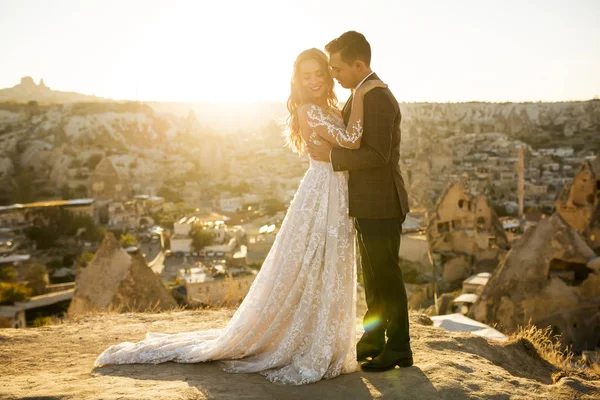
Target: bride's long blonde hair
[{"x": 292, "y": 135}]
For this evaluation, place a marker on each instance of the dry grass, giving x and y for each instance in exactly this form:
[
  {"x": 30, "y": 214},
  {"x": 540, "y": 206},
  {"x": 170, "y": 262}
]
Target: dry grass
[
  {"x": 548, "y": 347},
  {"x": 594, "y": 369},
  {"x": 232, "y": 296},
  {"x": 232, "y": 299},
  {"x": 128, "y": 307}
]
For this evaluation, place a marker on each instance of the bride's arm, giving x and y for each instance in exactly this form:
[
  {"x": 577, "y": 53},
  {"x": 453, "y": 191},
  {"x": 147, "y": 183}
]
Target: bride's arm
[
  {"x": 313, "y": 119},
  {"x": 315, "y": 126}
]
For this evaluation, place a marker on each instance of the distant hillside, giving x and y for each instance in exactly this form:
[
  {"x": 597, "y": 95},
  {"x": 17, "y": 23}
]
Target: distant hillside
[
  {"x": 44, "y": 147},
  {"x": 27, "y": 91},
  {"x": 570, "y": 124},
  {"x": 540, "y": 124}
]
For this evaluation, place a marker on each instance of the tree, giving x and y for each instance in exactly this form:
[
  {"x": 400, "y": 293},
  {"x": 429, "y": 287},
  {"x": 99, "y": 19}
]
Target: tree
[
  {"x": 157, "y": 217},
  {"x": 201, "y": 237},
  {"x": 80, "y": 191},
  {"x": 128, "y": 240},
  {"x": 53, "y": 265},
  {"x": 84, "y": 259},
  {"x": 8, "y": 274},
  {"x": 65, "y": 192},
  {"x": 23, "y": 188},
  {"x": 577, "y": 147},
  {"x": 11, "y": 292},
  {"x": 43, "y": 237},
  {"x": 502, "y": 211},
  {"x": 69, "y": 259},
  {"x": 169, "y": 195},
  {"x": 92, "y": 232},
  {"x": 36, "y": 276},
  {"x": 62, "y": 223}
]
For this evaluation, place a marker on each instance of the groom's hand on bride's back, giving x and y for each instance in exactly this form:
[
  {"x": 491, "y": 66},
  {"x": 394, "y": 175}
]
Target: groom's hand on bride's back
[{"x": 319, "y": 152}]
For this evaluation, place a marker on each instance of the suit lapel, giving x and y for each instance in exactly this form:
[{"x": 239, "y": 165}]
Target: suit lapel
[
  {"x": 346, "y": 110},
  {"x": 348, "y": 106}
]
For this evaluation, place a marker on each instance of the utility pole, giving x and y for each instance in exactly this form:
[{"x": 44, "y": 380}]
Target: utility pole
[{"x": 521, "y": 182}]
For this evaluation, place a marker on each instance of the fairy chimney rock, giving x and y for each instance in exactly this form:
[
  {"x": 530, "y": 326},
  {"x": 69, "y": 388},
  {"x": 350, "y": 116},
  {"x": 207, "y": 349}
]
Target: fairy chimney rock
[
  {"x": 106, "y": 183},
  {"x": 117, "y": 280}
]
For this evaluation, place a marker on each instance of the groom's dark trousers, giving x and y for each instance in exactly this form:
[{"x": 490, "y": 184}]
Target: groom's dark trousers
[
  {"x": 387, "y": 308},
  {"x": 379, "y": 204}
]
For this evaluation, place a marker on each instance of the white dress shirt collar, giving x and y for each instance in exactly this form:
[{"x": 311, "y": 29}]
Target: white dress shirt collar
[{"x": 361, "y": 82}]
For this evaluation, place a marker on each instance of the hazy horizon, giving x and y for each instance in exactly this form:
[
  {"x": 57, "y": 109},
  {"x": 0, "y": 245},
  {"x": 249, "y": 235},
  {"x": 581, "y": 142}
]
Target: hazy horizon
[{"x": 237, "y": 52}]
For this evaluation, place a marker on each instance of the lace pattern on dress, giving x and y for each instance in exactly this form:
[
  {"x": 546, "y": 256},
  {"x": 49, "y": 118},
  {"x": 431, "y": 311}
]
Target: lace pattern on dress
[{"x": 318, "y": 117}]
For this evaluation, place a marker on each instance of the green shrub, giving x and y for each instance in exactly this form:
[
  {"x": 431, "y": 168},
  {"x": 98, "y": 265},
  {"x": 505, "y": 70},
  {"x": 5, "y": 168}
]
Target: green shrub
[
  {"x": 128, "y": 240},
  {"x": 84, "y": 259},
  {"x": 8, "y": 274},
  {"x": 42, "y": 321},
  {"x": 11, "y": 292}
]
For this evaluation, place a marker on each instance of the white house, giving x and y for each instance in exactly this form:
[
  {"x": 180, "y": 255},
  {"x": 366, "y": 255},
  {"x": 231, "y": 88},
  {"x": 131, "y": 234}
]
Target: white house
[{"x": 181, "y": 240}]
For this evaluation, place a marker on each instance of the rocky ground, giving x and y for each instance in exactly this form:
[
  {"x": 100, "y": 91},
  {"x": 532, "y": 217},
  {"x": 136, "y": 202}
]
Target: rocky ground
[{"x": 56, "y": 362}]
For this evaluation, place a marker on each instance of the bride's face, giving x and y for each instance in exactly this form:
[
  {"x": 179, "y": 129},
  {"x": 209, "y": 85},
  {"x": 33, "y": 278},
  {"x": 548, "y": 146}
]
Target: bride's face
[{"x": 312, "y": 80}]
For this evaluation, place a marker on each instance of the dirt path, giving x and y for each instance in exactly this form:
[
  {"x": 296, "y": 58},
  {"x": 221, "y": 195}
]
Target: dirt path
[{"x": 56, "y": 362}]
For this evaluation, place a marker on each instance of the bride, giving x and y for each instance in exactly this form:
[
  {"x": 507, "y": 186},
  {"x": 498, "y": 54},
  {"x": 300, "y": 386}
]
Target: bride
[{"x": 297, "y": 324}]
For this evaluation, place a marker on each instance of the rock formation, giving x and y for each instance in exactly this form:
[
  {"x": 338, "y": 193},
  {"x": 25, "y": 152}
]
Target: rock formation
[
  {"x": 117, "y": 280},
  {"x": 551, "y": 277},
  {"x": 464, "y": 235}
]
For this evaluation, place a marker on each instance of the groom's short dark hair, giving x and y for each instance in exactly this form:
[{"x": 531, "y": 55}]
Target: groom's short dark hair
[{"x": 352, "y": 46}]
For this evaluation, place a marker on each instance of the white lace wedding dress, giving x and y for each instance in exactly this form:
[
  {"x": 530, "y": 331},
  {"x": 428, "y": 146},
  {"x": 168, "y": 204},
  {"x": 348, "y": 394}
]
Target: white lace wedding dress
[{"x": 296, "y": 325}]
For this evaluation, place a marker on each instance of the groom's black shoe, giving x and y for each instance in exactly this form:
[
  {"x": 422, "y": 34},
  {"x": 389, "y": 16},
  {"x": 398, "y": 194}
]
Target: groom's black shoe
[
  {"x": 366, "y": 350},
  {"x": 388, "y": 359}
]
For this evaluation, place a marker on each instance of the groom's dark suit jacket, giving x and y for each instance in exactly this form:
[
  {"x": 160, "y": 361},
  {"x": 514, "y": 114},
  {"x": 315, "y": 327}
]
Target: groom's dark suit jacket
[{"x": 375, "y": 188}]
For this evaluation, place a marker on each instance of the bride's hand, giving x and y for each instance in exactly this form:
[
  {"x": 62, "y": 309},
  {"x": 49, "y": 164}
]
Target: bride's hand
[{"x": 367, "y": 86}]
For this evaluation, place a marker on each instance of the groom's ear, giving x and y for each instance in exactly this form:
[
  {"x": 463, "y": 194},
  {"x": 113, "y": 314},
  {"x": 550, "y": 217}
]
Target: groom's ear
[{"x": 359, "y": 65}]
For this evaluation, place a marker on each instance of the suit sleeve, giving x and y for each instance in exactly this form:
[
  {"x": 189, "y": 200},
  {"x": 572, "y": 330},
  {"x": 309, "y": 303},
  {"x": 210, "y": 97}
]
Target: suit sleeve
[{"x": 376, "y": 147}]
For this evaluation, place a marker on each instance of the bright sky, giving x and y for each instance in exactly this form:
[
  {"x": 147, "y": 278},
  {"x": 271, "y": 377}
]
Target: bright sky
[{"x": 219, "y": 50}]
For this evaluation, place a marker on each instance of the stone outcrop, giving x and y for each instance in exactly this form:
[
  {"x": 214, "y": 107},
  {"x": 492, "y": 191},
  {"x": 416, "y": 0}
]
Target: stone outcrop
[
  {"x": 577, "y": 202},
  {"x": 117, "y": 280},
  {"x": 551, "y": 277}
]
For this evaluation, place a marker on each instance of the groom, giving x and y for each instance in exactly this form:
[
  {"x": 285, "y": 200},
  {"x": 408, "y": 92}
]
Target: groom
[{"x": 378, "y": 202}]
